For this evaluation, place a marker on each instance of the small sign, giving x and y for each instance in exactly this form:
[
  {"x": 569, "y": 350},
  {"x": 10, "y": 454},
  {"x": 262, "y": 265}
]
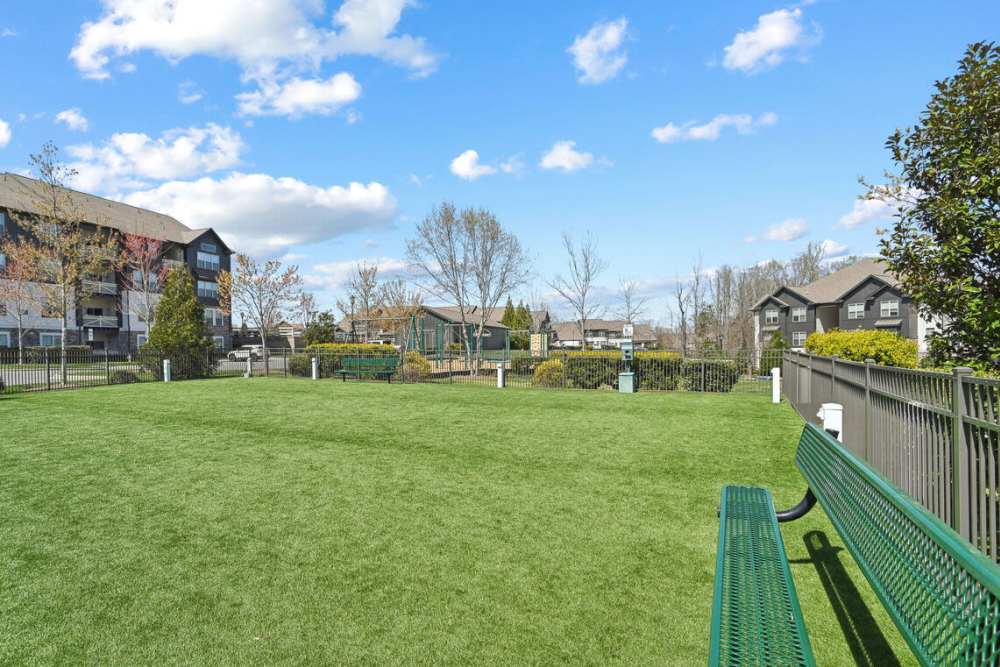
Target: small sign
[
  {"x": 90, "y": 335},
  {"x": 627, "y": 331}
]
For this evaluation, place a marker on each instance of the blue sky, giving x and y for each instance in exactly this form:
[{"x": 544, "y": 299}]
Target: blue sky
[{"x": 322, "y": 132}]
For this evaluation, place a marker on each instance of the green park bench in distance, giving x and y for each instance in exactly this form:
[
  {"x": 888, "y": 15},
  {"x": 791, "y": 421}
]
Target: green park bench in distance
[
  {"x": 942, "y": 593},
  {"x": 381, "y": 366}
]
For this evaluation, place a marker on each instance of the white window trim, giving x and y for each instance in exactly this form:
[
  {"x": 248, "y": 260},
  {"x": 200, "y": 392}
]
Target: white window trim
[
  {"x": 207, "y": 265},
  {"x": 767, "y": 316},
  {"x": 5, "y": 339},
  {"x": 803, "y": 311},
  {"x": 54, "y": 337},
  {"x": 141, "y": 340},
  {"x": 851, "y": 314},
  {"x": 803, "y": 334},
  {"x": 219, "y": 342},
  {"x": 882, "y": 308}
]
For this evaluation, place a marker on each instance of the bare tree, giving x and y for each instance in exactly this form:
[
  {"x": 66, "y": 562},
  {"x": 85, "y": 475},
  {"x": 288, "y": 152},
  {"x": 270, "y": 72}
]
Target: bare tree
[
  {"x": 683, "y": 300},
  {"x": 577, "y": 288},
  {"x": 808, "y": 265},
  {"x": 467, "y": 258},
  {"x": 632, "y": 305},
  {"x": 262, "y": 292},
  {"x": 364, "y": 296},
  {"x": 141, "y": 261},
  {"x": 307, "y": 307},
  {"x": 17, "y": 295},
  {"x": 70, "y": 252}
]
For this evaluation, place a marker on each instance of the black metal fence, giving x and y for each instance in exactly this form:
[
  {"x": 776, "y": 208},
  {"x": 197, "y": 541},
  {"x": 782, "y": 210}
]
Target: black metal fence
[{"x": 934, "y": 435}]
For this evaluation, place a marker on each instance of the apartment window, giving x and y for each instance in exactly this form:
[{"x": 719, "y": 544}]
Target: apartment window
[
  {"x": 49, "y": 311},
  {"x": 138, "y": 282},
  {"x": 140, "y": 340},
  {"x": 798, "y": 314},
  {"x": 214, "y": 317},
  {"x": 208, "y": 289},
  {"x": 49, "y": 339},
  {"x": 219, "y": 342},
  {"x": 4, "y": 337},
  {"x": 208, "y": 261},
  {"x": 3, "y": 261},
  {"x": 96, "y": 312},
  {"x": 770, "y": 316},
  {"x": 3, "y": 223},
  {"x": 856, "y": 311},
  {"x": 799, "y": 338},
  {"x": 889, "y": 308},
  {"x": 209, "y": 247}
]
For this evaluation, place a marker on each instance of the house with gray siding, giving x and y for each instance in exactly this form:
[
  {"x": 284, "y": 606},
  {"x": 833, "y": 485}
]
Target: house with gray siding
[
  {"x": 108, "y": 317},
  {"x": 864, "y": 295}
]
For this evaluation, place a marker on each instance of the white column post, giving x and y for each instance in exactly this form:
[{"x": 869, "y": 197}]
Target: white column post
[
  {"x": 776, "y": 385},
  {"x": 315, "y": 368},
  {"x": 501, "y": 379},
  {"x": 832, "y": 415},
  {"x": 166, "y": 370}
]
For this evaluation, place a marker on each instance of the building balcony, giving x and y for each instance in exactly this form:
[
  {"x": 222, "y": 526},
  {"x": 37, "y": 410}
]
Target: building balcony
[
  {"x": 100, "y": 287},
  {"x": 99, "y": 321},
  {"x": 171, "y": 263}
]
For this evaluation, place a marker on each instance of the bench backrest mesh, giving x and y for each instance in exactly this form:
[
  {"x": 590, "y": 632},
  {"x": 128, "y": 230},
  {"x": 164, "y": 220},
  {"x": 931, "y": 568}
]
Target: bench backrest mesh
[{"x": 942, "y": 593}]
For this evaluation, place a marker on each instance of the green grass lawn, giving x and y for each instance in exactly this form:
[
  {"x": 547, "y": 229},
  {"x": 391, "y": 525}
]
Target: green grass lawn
[{"x": 288, "y": 521}]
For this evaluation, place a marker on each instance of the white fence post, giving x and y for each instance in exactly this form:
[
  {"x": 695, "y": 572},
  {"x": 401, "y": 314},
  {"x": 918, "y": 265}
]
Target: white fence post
[
  {"x": 776, "y": 385},
  {"x": 166, "y": 370},
  {"x": 315, "y": 368},
  {"x": 501, "y": 378},
  {"x": 249, "y": 371},
  {"x": 832, "y": 415}
]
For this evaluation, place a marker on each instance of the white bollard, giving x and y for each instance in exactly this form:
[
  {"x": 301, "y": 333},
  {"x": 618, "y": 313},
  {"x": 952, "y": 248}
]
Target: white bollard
[
  {"x": 315, "y": 368},
  {"x": 501, "y": 379},
  {"x": 776, "y": 385},
  {"x": 166, "y": 370},
  {"x": 249, "y": 371},
  {"x": 832, "y": 415}
]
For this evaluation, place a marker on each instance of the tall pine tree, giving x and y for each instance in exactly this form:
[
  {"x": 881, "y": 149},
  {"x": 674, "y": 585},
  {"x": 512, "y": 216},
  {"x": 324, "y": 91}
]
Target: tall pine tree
[{"x": 178, "y": 333}]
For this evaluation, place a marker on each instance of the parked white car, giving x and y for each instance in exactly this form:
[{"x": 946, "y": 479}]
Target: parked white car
[{"x": 252, "y": 352}]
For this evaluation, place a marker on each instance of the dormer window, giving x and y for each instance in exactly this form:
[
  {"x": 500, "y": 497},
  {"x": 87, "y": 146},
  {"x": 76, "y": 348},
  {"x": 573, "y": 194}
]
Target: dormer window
[
  {"x": 771, "y": 316},
  {"x": 798, "y": 314}
]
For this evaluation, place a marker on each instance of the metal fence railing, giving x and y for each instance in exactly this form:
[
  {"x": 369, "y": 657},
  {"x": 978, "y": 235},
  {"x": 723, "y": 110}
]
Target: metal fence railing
[{"x": 934, "y": 435}]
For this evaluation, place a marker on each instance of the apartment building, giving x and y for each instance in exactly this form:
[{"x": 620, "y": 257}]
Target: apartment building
[{"x": 108, "y": 318}]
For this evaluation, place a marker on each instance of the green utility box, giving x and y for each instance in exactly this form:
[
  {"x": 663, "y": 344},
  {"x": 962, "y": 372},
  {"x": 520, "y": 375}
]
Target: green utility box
[{"x": 626, "y": 379}]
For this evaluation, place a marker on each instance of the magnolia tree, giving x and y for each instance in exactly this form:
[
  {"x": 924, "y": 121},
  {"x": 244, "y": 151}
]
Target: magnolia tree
[
  {"x": 264, "y": 292},
  {"x": 141, "y": 261},
  {"x": 17, "y": 296}
]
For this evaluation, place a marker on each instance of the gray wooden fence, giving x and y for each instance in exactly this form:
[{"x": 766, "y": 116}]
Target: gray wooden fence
[{"x": 934, "y": 435}]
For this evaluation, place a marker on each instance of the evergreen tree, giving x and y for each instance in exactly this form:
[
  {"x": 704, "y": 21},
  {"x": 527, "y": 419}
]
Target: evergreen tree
[
  {"x": 178, "y": 333},
  {"x": 323, "y": 329},
  {"x": 509, "y": 318}
]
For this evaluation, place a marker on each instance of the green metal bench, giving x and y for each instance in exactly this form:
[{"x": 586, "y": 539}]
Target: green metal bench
[
  {"x": 359, "y": 367},
  {"x": 943, "y": 594}
]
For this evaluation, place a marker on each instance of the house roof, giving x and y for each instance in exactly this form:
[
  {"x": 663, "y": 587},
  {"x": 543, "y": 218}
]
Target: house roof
[
  {"x": 453, "y": 314},
  {"x": 20, "y": 193},
  {"x": 571, "y": 330},
  {"x": 831, "y": 288}
]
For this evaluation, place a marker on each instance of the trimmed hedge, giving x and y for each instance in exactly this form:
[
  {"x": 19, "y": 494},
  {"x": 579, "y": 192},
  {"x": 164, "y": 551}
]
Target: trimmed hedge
[
  {"x": 330, "y": 354},
  {"x": 710, "y": 375},
  {"x": 884, "y": 347},
  {"x": 38, "y": 354},
  {"x": 124, "y": 377},
  {"x": 548, "y": 374},
  {"x": 416, "y": 367},
  {"x": 367, "y": 349}
]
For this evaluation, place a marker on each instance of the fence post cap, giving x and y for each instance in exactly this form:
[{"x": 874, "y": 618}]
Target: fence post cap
[
  {"x": 869, "y": 361},
  {"x": 962, "y": 370}
]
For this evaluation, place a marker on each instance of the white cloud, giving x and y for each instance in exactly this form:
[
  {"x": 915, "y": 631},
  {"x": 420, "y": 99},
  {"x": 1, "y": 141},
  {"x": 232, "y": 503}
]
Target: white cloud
[
  {"x": 7, "y": 32},
  {"x": 266, "y": 216},
  {"x": 787, "y": 230},
  {"x": 129, "y": 160},
  {"x": 335, "y": 275},
  {"x": 73, "y": 119},
  {"x": 352, "y": 116},
  {"x": 767, "y": 44},
  {"x": 597, "y": 54},
  {"x": 563, "y": 155},
  {"x": 4, "y": 134},
  {"x": 832, "y": 249},
  {"x": 865, "y": 210},
  {"x": 512, "y": 165},
  {"x": 188, "y": 92},
  {"x": 691, "y": 131},
  {"x": 296, "y": 97},
  {"x": 466, "y": 166}
]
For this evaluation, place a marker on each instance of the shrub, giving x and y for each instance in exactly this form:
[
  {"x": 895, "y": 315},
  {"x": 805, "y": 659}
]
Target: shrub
[
  {"x": 884, "y": 347},
  {"x": 367, "y": 349},
  {"x": 548, "y": 374},
  {"x": 710, "y": 375},
  {"x": 38, "y": 354},
  {"x": 300, "y": 365},
  {"x": 524, "y": 365},
  {"x": 416, "y": 367},
  {"x": 178, "y": 333},
  {"x": 591, "y": 370},
  {"x": 657, "y": 371},
  {"x": 123, "y": 377}
]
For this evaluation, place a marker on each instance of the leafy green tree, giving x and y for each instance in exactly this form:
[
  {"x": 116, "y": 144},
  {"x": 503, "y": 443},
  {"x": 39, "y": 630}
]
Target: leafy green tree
[
  {"x": 945, "y": 244},
  {"x": 323, "y": 329},
  {"x": 178, "y": 332}
]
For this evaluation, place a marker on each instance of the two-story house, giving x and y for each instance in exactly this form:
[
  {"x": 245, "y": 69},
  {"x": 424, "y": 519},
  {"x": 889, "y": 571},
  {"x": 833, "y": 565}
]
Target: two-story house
[
  {"x": 108, "y": 317},
  {"x": 601, "y": 334},
  {"x": 864, "y": 295}
]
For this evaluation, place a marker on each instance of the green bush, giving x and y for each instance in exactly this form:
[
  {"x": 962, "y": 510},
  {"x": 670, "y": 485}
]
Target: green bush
[
  {"x": 884, "y": 347},
  {"x": 548, "y": 374},
  {"x": 38, "y": 354},
  {"x": 657, "y": 371},
  {"x": 416, "y": 367},
  {"x": 524, "y": 365},
  {"x": 366, "y": 349},
  {"x": 710, "y": 375},
  {"x": 123, "y": 377},
  {"x": 178, "y": 334},
  {"x": 592, "y": 370}
]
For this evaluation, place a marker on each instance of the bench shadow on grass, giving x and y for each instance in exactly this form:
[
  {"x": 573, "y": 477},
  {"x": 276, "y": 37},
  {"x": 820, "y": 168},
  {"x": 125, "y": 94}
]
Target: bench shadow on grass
[{"x": 864, "y": 637}]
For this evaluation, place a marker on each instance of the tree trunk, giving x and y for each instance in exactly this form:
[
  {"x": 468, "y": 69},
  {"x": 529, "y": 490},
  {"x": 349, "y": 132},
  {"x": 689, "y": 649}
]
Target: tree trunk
[{"x": 20, "y": 341}]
